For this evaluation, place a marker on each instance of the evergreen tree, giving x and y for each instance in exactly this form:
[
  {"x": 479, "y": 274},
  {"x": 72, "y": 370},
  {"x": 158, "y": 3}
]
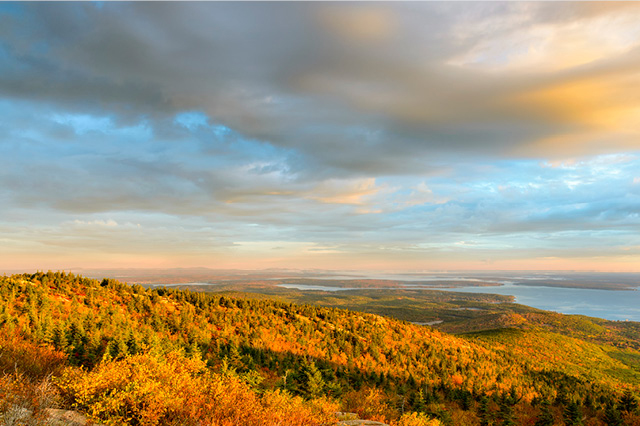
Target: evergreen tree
[
  {"x": 234, "y": 358},
  {"x": 628, "y": 402},
  {"x": 313, "y": 383},
  {"x": 572, "y": 414},
  {"x": 562, "y": 398},
  {"x": 483, "y": 411},
  {"x": 545, "y": 418},
  {"x": 117, "y": 348},
  {"x": 465, "y": 400},
  {"x": 59, "y": 337},
  {"x": 588, "y": 402},
  {"x": 506, "y": 412},
  {"x": 612, "y": 415},
  {"x": 419, "y": 402}
]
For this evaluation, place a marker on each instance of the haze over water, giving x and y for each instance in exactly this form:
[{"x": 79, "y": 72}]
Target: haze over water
[
  {"x": 320, "y": 135},
  {"x": 617, "y": 305}
]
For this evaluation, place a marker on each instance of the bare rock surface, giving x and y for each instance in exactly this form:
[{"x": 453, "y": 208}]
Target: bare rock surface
[
  {"x": 67, "y": 418},
  {"x": 351, "y": 419},
  {"x": 20, "y": 416}
]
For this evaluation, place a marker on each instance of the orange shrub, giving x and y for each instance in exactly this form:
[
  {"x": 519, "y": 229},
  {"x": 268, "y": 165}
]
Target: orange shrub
[
  {"x": 136, "y": 390},
  {"x": 21, "y": 356},
  {"x": 369, "y": 403},
  {"x": 417, "y": 419},
  {"x": 282, "y": 409},
  {"x": 151, "y": 389}
]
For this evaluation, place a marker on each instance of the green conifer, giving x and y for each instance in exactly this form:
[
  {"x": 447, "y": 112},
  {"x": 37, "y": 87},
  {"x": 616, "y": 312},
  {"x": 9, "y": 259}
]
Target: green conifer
[
  {"x": 628, "y": 402},
  {"x": 545, "y": 418},
  {"x": 612, "y": 415},
  {"x": 572, "y": 414}
]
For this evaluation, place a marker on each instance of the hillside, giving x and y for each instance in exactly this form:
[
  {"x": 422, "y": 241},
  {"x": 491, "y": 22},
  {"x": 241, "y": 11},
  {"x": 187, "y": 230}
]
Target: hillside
[
  {"x": 128, "y": 355},
  {"x": 451, "y": 312}
]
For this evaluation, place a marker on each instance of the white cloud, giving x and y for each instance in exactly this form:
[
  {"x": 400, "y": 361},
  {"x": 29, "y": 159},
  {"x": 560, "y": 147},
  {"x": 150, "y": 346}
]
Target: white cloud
[
  {"x": 422, "y": 194},
  {"x": 109, "y": 223}
]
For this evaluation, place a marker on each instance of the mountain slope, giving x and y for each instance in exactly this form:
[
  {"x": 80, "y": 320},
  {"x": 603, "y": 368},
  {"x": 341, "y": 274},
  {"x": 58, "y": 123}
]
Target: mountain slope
[{"x": 262, "y": 346}]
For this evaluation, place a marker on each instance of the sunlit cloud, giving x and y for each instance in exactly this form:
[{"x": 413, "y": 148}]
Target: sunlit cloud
[
  {"x": 344, "y": 192},
  {"x": 519, "y": 40},
  {"x": 390, "y": 135},
  {"x": 359, "y": 22}
]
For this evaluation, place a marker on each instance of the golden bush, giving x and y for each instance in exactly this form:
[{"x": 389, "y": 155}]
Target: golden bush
[
  {"x": 36, "y": 361},
  {"x": 369, "y": 403},
  {"x": 417, "y": 419},
  {"x": 152, "y": 389}
]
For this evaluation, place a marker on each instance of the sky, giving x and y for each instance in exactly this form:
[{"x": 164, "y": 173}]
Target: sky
[{"x": 361, "y": 136}]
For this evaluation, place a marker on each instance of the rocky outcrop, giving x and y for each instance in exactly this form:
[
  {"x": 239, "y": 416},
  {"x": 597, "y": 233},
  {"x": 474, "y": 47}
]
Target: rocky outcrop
[
  {"x": 67, "y": 418},
  {"x": 351, "y": 419},
  {"x": 20, "y": 416}
]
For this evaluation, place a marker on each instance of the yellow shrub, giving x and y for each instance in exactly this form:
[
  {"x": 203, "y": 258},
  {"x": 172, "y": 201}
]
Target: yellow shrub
[
  {"x": 282, "y": 409},
  {"x": 369, "y": 403},
  {"x": 417, "y": 419},
  {"x": 139, "y": 389},
  {"x": 149, "y": 389}
]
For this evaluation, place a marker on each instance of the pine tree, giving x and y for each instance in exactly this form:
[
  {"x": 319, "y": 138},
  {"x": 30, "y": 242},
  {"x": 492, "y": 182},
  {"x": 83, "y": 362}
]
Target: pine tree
[
  {"x": 117, "y": 348},
  {"x": 506, "y": 412},
  {"x": 588, "y": 402},
  {"x": 545, "y": 418},
  {"x": 235, "y": 359},
  {"x": 59, "y": 337},
  {"x": 465, "y": 400},
  {"x": 419, "y": 401},
  {"x": 612, "y": 416},
  {"x": 561, "y": 397},
  {"x": 313, "y": 383},
  {"x": 628, "y": 402},
  {"x": 483, "y": 412},
  {"x": 572, "y": 414}
]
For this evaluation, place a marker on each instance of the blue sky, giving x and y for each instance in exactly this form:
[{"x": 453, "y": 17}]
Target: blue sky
[{"x": 407, "y": 136}]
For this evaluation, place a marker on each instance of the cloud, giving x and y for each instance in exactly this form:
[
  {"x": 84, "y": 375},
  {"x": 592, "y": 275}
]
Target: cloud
[
  {"x": 99, "y": 223},
  {"x": 422, "y": 194},
  {"x": 356, "y": 128},
  {"x": 313, "y": 87},
  {"x": 344, "y": 192},
  {"x": 358, "y": 23}
]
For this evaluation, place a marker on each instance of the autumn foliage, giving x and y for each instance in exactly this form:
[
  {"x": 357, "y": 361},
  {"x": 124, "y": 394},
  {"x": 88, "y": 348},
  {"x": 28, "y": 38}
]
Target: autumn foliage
[
  {"x": 155, "y": 389},
  {"x": 126, "y": 355}
]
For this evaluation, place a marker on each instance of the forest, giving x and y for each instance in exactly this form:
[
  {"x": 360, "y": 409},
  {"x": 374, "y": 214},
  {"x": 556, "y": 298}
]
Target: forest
[{"x": 128, "y": 355}]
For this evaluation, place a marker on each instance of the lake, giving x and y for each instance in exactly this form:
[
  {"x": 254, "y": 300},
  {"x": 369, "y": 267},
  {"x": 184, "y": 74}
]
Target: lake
[{"x": 608, "y": 304}]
